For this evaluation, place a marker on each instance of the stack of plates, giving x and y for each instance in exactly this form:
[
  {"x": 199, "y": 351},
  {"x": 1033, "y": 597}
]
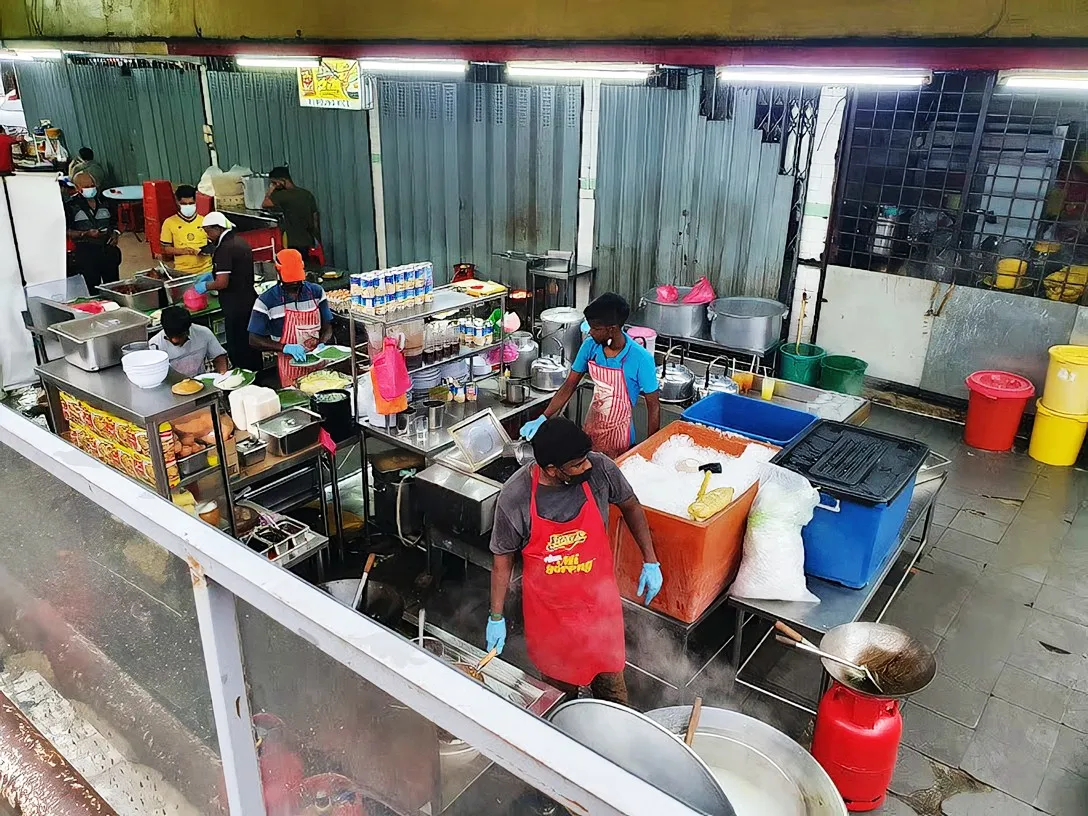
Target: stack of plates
[
  {"x": 146, "y": 369},
  {"x": 424, "y": 381}
]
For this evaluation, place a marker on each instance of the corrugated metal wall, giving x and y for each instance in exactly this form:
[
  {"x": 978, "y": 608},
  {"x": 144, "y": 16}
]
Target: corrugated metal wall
[
  {"x": 258, "y": 123},
  {"x": 143, "y": 123},
  {"x": 679, "y": 196},
  {"x": 471, "y": 169}
]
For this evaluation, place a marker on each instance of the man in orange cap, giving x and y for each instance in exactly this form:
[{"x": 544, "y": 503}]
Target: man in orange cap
[{"x": 292, "y": 318}]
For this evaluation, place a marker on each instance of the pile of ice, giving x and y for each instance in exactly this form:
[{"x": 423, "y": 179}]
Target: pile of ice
[{"x": 670, "y": 481}]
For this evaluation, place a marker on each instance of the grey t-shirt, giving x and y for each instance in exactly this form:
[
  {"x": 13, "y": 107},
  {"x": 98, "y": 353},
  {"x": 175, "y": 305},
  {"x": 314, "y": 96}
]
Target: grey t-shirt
[
  {"x": 553, "y": 502},
  {"x": 188, "y": 360}
]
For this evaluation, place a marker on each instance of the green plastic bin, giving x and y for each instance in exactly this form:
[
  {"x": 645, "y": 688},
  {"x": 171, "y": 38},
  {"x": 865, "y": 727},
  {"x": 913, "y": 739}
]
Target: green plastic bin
[
  {"x": 843, "y": 374},
  {"x": 800, "y": 362}
]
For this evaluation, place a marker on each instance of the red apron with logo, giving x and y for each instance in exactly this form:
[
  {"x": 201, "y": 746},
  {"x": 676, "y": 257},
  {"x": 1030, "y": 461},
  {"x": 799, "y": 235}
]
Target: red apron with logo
[
  {"x": 301, "y": 328},
  {"x": 570, "y": 600},
  {"x": 608, "y": 422}
]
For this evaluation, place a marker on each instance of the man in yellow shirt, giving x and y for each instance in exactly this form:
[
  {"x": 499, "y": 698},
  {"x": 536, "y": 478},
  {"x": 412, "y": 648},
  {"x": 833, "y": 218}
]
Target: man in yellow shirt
[{"x": 183, "y": 235}]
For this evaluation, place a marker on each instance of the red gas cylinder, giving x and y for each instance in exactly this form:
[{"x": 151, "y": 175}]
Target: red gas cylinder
[{"x": 857, "y": 741}]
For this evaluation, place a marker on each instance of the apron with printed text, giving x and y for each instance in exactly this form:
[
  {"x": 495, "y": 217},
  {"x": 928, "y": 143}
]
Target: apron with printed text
[
  {"x": 303, "y": 328},
  {"x": 608, "y": 422},
  {"x": 570, "y": 600}
]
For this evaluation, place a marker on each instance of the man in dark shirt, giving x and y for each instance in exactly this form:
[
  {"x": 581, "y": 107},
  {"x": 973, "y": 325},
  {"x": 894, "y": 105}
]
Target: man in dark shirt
[
  {"x": 92, "y": 227},
  {"x": 301, "y": 221},
  {"x": 232, "y": 279}
]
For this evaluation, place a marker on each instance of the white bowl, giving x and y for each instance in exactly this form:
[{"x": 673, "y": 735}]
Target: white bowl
[
  {"x": 147, "y": 380},
  {"x": 146, "y": 359}
]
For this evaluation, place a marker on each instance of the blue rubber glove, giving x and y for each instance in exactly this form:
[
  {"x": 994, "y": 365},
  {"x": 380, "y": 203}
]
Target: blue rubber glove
[
  {"x": 529, "y": 429},
  {"x": 296, "y": 351},
  {"x": 649, "y": 582},
  {"x": 200, "y": 287},
  {"x": 320, "y": 347},
  {"x": 496, "y": 634}
]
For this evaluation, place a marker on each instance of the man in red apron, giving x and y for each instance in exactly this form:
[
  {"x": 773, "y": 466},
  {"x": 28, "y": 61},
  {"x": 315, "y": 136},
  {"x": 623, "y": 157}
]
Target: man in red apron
[
  {"x": 292, "y": 318},
  {"x": 620, "y": 369},
  {"x": 553, "y": 512}
]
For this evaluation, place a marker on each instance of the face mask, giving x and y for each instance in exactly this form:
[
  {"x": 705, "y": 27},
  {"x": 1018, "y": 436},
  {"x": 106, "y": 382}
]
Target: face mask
[
  {"x": 187, "y": 210},
  {"x": 89, "y": 192}
]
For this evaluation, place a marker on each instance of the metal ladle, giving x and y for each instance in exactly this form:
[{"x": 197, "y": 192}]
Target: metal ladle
[{"x": 791, "y": 637}]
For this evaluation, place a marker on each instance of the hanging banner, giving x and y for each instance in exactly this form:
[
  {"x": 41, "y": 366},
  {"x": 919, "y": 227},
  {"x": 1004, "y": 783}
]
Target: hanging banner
[{"x": 333, "y": 84}]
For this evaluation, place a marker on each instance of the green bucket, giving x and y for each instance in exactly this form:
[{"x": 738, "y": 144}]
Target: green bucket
[
  {"x": 800, "y": 362},
  {"x": 843, "y": 374}
]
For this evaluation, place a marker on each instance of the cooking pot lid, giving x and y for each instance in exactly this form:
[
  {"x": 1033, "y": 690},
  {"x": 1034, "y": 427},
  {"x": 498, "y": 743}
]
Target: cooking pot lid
[
  {"x": 480, "y": 438},
  {"x": 548, "y": 363},
  {"x": 562, "y": 314},
  {"x": 748, "y": 307},
  {"x": 676, "y": 373}
]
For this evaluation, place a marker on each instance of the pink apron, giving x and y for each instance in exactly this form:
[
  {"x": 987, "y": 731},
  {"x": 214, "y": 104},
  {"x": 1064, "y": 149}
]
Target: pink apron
[{"x": 608, "y": 422}]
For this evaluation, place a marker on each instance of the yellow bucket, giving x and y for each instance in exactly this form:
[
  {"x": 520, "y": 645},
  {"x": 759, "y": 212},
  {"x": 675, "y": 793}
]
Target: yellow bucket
[
  {"x": 1008, "y": 273},
  {"x": 1056, "y": 437},
  {"x": 1066, "y": 388}
]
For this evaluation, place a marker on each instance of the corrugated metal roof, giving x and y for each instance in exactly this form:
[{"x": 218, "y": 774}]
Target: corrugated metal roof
[
  {"x": 471, "y": 169},
  {"x": 679, "y": 196},
  {"x": 142, "y": 122},
  {"x": 258, "y": 123}
]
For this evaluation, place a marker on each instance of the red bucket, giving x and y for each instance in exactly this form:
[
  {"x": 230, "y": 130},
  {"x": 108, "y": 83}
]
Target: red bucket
[{"x": 994, "y": 408}]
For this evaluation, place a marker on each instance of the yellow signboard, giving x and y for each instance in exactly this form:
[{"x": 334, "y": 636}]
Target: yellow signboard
[{"x": 335, "y": 83}]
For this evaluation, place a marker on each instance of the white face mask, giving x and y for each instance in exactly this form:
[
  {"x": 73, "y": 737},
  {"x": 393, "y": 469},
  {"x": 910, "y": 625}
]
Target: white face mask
[{"x": 187, "y": 210}]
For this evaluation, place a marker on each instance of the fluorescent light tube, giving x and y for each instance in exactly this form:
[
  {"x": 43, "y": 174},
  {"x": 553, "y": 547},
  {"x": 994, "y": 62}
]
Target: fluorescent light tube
[
  {"x": 806, "y": 75},
  {"x": 1044, "y": 80},
  {"x": 626, "y": 71},
  {"x": 394, "y": 65},
  {"x": 277, "y": 62}
]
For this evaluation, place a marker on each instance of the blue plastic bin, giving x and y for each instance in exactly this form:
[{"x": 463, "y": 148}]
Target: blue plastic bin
[
  {"x": 850, "y": 546},
  {"x": 752, "y": 418}
]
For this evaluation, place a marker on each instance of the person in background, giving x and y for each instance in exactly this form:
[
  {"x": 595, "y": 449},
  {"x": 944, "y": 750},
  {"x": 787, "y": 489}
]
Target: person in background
[
  {"x": 183, "y": 237},
  {"x": 554, "y": 513},
  {"x": 292, "y": 318},
  {"x": 92, "y": 227},
  {"x": 620, "y": 369},
  {"x": 232, "y": 279},
  {"x": 84, "y": 162},
  {"x": 301, "y": 221},
  {"x": 189, "y": 347}
]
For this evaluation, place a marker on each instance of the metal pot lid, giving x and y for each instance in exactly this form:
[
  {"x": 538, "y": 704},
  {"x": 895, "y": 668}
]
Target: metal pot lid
[
  {"x": 480, "y": 438},
  {"x": 564, "y": 315},
  {"x": 642, "y": 747},
  {"x": 747, "y": 307},
  {"x": 548, "y": 364},
  {"x": 676, "y": 374}
]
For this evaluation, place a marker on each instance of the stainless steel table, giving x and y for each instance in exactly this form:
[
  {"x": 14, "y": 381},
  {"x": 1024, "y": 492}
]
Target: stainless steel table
[{"x": 838, "y": 604}]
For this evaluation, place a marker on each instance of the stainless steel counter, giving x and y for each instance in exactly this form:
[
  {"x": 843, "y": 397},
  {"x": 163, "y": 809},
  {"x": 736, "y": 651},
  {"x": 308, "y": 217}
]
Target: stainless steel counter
[{"x": 111, "y": 390}]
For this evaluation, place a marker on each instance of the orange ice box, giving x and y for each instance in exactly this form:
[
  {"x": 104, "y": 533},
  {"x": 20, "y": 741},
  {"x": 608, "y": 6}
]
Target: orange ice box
[{"x": 699, "y": 559}]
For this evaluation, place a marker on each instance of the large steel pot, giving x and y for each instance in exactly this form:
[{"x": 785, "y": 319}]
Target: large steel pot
[
  {"x": 565, "y": 324},
  {"x": 779, "y": 769},
  {"x": 674, "y": 319},
  {"x": 528, "y": 350},
  {"x": 746, "y": 323},
  {"x": 548, "y": 373}
]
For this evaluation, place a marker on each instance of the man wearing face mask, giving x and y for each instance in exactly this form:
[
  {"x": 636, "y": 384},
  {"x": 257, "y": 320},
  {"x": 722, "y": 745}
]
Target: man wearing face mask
[
  {"x": 292, "y": 318},
  {"x": 620, "y": 369},
  {"x": 554, "y": 513},
  {"x": 183, "y": 235},
  {"x": 92, "y": 226}
]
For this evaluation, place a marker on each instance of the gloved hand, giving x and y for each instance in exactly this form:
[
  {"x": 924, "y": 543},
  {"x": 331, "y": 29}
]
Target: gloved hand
[
  {"x": 320, "y": 347},
  {"x": 649, "y": 582},
  {"x": 529, "y": 429},
  {"x": 201, "y": 285},
  {"x": 296, "y": 351},
  {"x": 496, "y": 634}
]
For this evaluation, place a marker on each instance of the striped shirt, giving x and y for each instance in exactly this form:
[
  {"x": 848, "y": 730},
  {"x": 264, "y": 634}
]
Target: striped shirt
[{"x": 270, "y": 308}]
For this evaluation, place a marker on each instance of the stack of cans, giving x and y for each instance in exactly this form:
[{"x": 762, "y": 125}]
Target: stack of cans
[{"x": 387, "y": 291}]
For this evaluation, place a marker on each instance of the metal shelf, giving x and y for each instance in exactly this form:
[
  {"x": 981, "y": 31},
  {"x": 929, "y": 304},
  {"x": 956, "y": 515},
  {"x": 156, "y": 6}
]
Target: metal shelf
[
  {"x": 200, "y": 474},
  {"x": 445, "y": 300},
  {"x": 466, "y": 351}
]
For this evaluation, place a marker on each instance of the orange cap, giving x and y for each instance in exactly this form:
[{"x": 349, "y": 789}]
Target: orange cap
[{"x": 289, "y": 265}]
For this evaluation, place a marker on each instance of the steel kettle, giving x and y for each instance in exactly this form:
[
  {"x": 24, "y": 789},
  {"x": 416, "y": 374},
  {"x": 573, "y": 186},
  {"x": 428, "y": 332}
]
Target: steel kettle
[
  {"x": 528, "y": 350},
  {"x": 675, "y": 380}
]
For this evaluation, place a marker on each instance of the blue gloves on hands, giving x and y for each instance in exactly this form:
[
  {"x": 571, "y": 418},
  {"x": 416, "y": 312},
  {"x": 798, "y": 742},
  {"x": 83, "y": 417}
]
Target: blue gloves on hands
[
  {"x": 296, "y": 351},
  {"x": 201, "y": 285},
  {"x": 529, "y": 429},
  {"x": 649, "y": 582},
  {"x": 496, "y": 634}
]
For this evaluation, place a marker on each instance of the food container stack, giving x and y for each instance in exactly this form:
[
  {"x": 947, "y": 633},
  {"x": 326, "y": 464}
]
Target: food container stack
[
  {"x": 1061, "y": 417},
  {"x": 388, "y": 291}
]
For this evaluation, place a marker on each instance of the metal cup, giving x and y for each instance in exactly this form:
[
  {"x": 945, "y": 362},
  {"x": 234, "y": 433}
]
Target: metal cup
[{"x": 436, "y": 413}]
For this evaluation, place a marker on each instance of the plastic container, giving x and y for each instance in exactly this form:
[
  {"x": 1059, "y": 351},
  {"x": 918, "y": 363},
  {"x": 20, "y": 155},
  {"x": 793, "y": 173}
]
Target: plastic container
[
  {"x": 749, "y": 417},
  {"x": 994, "y": 407},
  {"x": 1066, "y": 387},
  {"x": 843, "y": 374},
  {"x": 1056, "y": 438},
  {"x": 801, "y": 362},
  {"x": 700, "y": 558},
  {"x": 866, "y": 479}
]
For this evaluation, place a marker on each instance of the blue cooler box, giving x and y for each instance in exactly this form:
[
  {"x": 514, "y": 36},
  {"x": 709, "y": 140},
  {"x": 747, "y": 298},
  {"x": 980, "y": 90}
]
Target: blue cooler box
[
  {"x": 866, "y": 480},
  {"x": 749, "y": 417}
]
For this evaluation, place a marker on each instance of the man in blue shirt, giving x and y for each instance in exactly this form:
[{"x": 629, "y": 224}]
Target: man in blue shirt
[
  {"x": 291, "y": 318},
  {"x": 620, "y": 369}
]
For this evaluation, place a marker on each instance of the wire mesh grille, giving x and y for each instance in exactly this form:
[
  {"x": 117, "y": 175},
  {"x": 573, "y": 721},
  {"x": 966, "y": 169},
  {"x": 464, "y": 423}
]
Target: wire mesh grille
[{"x": 963, "y": 182}]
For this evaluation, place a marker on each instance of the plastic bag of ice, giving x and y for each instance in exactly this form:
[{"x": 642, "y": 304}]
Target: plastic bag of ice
[{"x": 773, "y": 564}]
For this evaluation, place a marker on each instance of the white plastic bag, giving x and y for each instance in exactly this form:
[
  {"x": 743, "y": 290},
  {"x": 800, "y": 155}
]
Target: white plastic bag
[
  {"x": 205, "y": 184},
  {"x": 773, "y": 565}
]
